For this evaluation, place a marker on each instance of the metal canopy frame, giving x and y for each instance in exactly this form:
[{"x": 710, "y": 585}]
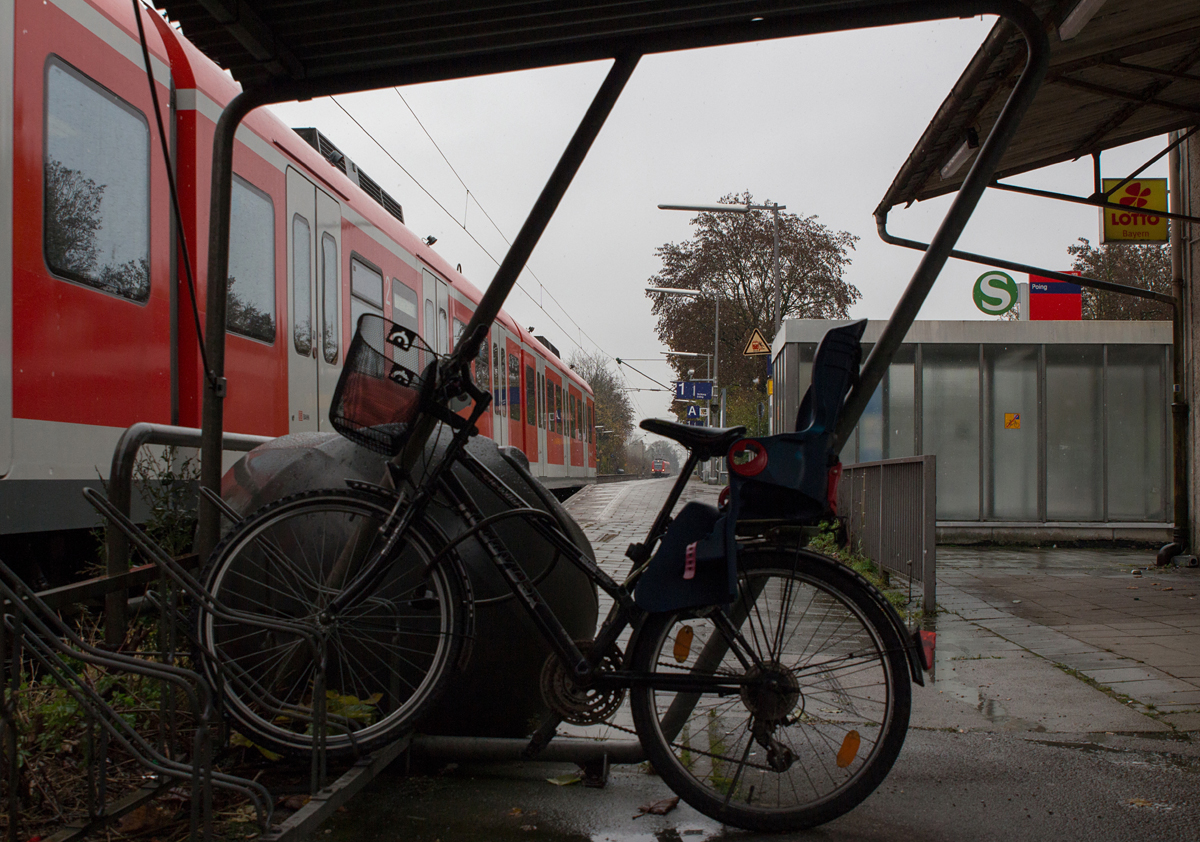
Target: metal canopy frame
[
  {"x": 272, "y": 70},
  {"x": 1098, "y": 199}
]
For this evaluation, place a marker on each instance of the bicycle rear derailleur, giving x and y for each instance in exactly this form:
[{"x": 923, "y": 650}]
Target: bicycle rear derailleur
[{"x": 581, "y": 705}]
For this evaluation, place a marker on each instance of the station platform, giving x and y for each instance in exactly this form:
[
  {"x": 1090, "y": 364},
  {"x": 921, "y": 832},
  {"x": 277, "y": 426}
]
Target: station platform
[{"x": 1036, "y": 639}]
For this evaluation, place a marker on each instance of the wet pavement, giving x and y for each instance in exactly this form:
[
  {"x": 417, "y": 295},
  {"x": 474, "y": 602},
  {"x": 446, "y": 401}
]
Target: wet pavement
[{"x": 1064, "y": 705}]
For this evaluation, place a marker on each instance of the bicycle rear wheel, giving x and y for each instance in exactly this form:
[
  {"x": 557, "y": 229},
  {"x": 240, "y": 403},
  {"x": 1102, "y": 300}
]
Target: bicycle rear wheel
[
  {"x": 819, "y": 727},
  {"x": 387, "y": 657}
]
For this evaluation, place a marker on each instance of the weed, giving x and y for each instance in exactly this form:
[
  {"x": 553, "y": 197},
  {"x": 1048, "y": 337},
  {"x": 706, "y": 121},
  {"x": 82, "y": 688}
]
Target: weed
[{"x": 826, "y": 543}]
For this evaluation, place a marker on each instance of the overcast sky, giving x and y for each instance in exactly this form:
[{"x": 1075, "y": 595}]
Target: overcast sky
[{"x": 820, "y": 124}]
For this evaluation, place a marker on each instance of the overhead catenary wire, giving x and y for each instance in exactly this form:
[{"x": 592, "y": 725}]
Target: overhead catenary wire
[{"x": 566, "y": 334}]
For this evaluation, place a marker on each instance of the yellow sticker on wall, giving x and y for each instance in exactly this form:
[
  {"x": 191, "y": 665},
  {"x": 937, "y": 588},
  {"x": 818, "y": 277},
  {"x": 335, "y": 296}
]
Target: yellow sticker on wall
[{"x": 1012, "y": 420}]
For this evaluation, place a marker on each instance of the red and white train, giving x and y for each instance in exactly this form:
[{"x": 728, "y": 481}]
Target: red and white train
[{"x": 96, "y": 325}]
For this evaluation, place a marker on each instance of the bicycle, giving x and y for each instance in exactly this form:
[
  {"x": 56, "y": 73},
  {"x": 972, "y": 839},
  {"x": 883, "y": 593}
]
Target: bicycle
[{"x": 769, "y": 685}]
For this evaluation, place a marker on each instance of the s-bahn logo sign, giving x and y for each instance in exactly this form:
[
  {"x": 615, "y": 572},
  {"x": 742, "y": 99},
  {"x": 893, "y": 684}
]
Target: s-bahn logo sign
[
  {"x": 995, "y": 293},
  {"x": 1137, "y": 222}
]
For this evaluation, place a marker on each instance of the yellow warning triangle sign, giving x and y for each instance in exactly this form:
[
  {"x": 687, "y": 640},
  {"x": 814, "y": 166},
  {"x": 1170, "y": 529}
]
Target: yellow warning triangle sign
[{"x": 756, "y": 345}]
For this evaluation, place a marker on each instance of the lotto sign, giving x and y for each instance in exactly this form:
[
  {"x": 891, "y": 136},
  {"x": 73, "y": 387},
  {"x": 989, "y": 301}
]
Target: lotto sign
[
  {"x": 1138, "y": 223},
  {"x": 995, "y": 293}
]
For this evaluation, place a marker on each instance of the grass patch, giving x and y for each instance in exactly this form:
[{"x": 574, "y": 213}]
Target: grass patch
[{"x": 826, "y": 543}]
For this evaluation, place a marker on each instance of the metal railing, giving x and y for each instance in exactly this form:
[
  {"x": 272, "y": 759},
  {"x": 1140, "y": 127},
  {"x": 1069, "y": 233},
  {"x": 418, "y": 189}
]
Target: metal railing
[
  {"x": 120, "y": 492},
  {"x": 889, "y": 508}
]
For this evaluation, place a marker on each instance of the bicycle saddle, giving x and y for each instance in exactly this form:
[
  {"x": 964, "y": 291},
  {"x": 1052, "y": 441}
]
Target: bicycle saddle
[{"x": 705, "y": 442}]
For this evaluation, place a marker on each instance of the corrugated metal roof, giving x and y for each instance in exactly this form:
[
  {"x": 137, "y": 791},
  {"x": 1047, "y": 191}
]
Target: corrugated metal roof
[
  {"x": 1128, "y": 75},
  {"x": 342, "y": 45}
]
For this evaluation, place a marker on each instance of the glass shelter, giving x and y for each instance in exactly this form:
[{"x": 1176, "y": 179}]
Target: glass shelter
[{"x": 1036, "y": 424}]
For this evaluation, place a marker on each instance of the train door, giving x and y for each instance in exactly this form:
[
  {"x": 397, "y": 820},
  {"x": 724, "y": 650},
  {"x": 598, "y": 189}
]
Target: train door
[
  {"x": 436, "y": 294},
  {"x": 539, "y": 388},
  {"x": 516, "y": 419},
  {"x": 529, "y": 395},
  {"x": 314, "y": 296},
  {"x": 554, "y": 425}
]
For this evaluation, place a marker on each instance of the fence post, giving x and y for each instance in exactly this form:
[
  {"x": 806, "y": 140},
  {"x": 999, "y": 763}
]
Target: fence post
[{"x": 929, "y": 541}]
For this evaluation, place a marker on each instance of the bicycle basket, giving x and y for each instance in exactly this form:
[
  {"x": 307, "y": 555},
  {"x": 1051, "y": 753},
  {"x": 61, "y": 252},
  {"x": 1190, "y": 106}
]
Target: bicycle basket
[{"x": 378, "y": 392}]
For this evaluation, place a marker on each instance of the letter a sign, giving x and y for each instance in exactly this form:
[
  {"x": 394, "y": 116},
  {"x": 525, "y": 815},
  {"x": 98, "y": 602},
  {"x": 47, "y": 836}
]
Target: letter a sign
[{"x": 756, "y": 345}]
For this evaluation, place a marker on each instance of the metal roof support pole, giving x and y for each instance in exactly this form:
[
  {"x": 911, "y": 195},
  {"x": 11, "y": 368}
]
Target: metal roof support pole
[
  {"x": 1181, "y": 533},
  {"x": 1037, "y": 58},
  {"x": 212, "y": 416},
  {"x": 1014, "y": 266},
  {"x": 548, "y": 201}
]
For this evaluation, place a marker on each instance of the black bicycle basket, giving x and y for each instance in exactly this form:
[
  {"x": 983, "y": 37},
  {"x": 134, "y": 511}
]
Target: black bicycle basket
[{"x": 378, "y": 392}]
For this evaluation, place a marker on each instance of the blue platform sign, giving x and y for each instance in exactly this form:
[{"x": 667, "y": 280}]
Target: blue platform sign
[
  {"x": 693, "y": 390},
  {"x": 696, "y": 422}
]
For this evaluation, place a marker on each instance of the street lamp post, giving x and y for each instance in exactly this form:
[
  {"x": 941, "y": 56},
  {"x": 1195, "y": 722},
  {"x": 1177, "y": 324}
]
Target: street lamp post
[{"x": 774, "y": 208}]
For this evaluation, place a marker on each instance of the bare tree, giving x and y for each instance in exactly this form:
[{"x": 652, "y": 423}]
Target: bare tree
[
  {"x": 614, "y": 411},
  {"x": 730, "y": 255},
  {"x": 1147, "y": 266}
]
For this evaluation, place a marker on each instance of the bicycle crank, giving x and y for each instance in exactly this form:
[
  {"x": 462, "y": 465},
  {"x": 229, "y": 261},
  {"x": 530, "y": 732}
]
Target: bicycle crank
[{"x": 581, "y": 705}]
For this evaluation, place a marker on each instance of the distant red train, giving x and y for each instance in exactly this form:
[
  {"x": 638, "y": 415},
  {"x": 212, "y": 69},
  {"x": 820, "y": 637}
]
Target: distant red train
[
  {"x": 660, "y": 468},
  {"x": 96, "y": 325}
]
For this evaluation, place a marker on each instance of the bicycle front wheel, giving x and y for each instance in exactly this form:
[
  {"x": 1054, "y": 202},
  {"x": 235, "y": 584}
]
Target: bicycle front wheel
[
  {"x": 386, "y": 657},
  {"x": 820, "y": 718}
]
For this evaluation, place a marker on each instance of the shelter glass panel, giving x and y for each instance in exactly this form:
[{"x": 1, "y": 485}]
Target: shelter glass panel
[
  {"x": 870, "y": 425},
  {"x": 1011, "y": 381},
  {"x": 900, "y": 405},
  {"x": 1074, "y": 432},
  {"x": 950, "y": 426},
  {"x": 1136, "y": 414}
]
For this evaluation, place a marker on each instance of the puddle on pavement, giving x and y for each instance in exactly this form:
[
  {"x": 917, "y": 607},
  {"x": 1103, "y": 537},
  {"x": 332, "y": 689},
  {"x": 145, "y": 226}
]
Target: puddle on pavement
[{"x": 1132, "y": 757}]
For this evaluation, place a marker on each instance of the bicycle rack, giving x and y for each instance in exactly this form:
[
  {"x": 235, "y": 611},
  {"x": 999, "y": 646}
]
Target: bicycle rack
[{"x": 36, "y": 629}]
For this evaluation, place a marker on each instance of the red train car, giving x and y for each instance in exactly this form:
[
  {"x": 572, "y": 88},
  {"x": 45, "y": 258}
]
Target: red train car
[{"x": 96, "y": 324}]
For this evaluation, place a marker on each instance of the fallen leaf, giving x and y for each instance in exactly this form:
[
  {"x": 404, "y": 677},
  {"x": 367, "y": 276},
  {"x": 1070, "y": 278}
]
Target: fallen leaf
[
  {"x": 147, "y": 818},
  {"x": 658, "y": 808},
  {"x": 1168, "y": 589},
  {"x": 294, "y": 802},
  {"x": 565, "y": 780}
]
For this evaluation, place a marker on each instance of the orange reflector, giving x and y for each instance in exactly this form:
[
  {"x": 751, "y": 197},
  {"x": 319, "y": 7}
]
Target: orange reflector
[
  {"x": 683, "y": 643},
  {"x": 849, "y": 750}
]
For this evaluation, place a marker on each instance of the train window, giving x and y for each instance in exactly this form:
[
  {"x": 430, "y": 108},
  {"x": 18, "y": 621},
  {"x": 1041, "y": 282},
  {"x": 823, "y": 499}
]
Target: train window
[
  {"x": 443, "y": 337},
  {"x": 301, "y": 285},
  {"x": 366, "y": 296},
  {"x": 541, "y": 399},
  {"x": 251, "y": 302},
  {"x": 531, "y": 392},
  {"x": 366, "y": 290},
  {"x": 482, "y": 371},
  {"x": 459, "y": 330},
  {"x": 366, "y": 283},
  {"x": 548, "y": 403},
  {"x": 96, "y": 179},
  {"x": 331, "y": 291},
  {"x": 558, "y": 406},
  {"x": 404, "y": 313},
  {"x": 514, "y": 387},
  {"x": 498, "y": 386}
]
